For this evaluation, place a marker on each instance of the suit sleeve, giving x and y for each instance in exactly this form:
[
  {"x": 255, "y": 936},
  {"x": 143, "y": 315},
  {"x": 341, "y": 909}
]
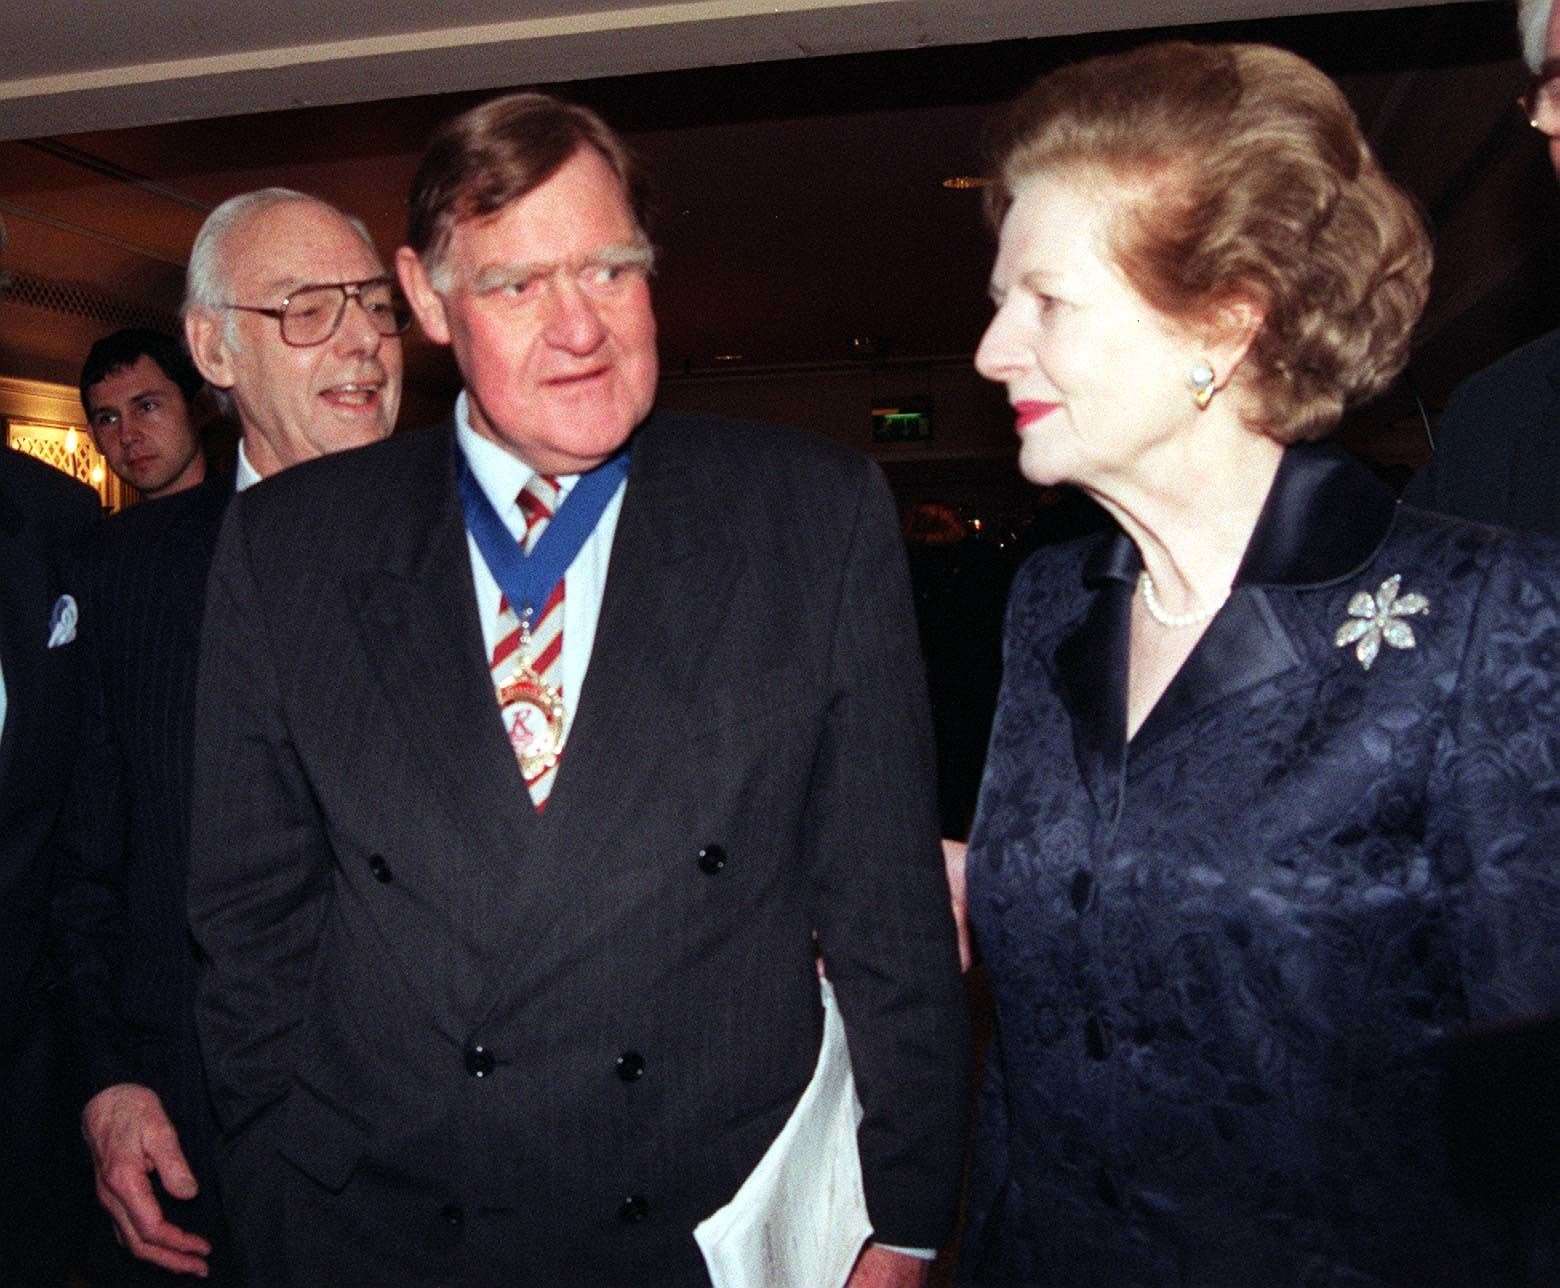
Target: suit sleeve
[
  {"x": 89, "y": 896},
  {"x": 259, "y": 858},
  {"x": 882, "y": 906}
]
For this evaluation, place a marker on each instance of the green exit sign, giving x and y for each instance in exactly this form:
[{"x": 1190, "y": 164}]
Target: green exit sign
[{"x": 905, "y": 420}]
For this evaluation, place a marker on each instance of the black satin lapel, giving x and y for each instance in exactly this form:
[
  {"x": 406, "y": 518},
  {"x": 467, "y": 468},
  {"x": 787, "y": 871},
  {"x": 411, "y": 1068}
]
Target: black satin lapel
[
  {"x": 1091, "y": 671},
  {"x": 1324, "y": 518},
  {"x": 1244, "y": 645},
  {"x": 423, "y": 636}
]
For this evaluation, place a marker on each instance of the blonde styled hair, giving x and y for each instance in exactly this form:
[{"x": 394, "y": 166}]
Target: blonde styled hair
[{"x": 1242, "y": 176}]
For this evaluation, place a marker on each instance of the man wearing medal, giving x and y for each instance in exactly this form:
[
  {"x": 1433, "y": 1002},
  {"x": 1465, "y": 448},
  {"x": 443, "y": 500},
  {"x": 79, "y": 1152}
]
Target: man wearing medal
[{"x": 540, "y": 752}]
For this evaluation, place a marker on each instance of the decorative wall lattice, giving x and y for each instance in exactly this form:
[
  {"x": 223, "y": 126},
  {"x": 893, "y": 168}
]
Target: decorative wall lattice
[
  {"x": 71, "y": 451},
  {"x": 82, "y": 301}
]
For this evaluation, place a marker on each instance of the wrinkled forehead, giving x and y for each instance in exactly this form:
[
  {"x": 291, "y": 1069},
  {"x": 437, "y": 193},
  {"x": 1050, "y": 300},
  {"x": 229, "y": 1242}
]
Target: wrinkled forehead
[{"x": 296, "y": 243}]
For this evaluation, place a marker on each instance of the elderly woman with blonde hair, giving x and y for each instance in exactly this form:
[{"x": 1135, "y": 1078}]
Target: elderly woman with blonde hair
[{"x": 1272, "y": 803}]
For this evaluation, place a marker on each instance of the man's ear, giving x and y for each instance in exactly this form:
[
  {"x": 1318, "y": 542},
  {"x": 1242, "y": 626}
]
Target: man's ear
[
  {"x": 206, "y": 335},
  {"x": 426, "y": 302}
]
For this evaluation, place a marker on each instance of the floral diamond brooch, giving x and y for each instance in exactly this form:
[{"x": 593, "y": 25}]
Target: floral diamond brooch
[{"x": 1377, "y": 619}]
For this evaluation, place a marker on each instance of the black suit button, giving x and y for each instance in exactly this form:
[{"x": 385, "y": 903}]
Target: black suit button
[
  {"x": 712, "y": 858},
  {"x": 630, "y": 1066},
  {"x": 453, "y": 1215},
  {"x": 634, "y": 1209},
  {"x": 479, "y": 1060},
  {"x": 380, "y": 869}
]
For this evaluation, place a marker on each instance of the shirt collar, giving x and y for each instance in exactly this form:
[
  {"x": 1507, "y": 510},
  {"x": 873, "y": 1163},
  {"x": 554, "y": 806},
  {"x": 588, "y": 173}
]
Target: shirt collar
[
  {"x": 1325, "y": 517},
  {"x": 499, "y": 472},
  {"x": 245, "y": 475}
]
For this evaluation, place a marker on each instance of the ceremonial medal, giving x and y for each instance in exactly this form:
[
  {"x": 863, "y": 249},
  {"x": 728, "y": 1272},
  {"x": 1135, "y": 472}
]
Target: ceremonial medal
[
  {"x": 532, "y": 708},
  {"x": 533, "y": 714}
]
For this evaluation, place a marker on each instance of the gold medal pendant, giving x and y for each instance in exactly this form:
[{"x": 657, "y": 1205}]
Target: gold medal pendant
[{"x": 533, "y": 713}]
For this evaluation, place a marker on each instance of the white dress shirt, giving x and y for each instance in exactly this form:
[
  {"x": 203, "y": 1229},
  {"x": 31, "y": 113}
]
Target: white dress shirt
[{"x": 501, "y": 475}]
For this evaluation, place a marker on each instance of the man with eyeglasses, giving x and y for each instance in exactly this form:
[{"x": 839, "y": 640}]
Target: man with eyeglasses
[
  {"x": 537, "y": 752},
  {"x": 291, "y": 317},
  {"x": 1497, "y": 445}
]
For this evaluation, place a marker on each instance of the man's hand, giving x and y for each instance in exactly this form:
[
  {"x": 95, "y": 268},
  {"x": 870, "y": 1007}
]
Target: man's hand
[
  {"x": 877, "y": 1267},
  {"x": 130, "y": 1136},
  {"x": 953, "y": 860}
]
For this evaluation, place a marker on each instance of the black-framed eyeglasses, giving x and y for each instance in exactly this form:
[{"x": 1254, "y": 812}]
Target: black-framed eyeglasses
[
  {"x": 1540, "y": 101},
  {"x": 312, "y": 314}
]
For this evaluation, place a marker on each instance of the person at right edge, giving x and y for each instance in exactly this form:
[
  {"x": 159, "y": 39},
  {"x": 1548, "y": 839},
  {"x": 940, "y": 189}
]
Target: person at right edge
[
  {"x": 1497, "y": 445},
  {"x": 1269, "y": 814}
]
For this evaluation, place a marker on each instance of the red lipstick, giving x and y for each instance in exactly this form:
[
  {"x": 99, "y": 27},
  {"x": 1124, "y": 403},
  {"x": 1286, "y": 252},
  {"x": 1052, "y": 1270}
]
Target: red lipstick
[{"x": 1027, "y": 413}]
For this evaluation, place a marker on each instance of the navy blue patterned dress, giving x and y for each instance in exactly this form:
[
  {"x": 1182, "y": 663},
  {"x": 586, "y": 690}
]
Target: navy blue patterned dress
[{"x": 1228, "y": 955}]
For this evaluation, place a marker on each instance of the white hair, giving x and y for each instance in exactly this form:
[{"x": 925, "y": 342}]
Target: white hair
[
  {"x": 207, "y": 287},
  {"x": 1533, "y": 28}
]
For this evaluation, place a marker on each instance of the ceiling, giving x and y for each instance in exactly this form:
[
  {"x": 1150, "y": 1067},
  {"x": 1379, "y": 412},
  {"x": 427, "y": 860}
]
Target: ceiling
[
  {"x": 799, "y": 211},
  {"x": 88, "y": 64}
]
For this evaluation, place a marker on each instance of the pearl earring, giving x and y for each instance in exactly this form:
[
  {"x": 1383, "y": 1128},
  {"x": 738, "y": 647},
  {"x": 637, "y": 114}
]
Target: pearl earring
[{"x": 1201, "y": 380}]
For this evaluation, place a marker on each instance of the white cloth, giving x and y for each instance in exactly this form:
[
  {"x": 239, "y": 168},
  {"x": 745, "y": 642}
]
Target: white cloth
[
  {"x": 800, "y": 1218},
  {"x": 501, "y": 475}
]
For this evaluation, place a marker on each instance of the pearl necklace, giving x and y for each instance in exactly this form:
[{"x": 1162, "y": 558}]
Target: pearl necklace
[{"x": 1174, "y": 621}]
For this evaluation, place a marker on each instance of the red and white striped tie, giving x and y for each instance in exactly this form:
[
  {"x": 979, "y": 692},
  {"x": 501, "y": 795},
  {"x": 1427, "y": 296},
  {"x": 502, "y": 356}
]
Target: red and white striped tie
[{"x": 537, "y": 500}]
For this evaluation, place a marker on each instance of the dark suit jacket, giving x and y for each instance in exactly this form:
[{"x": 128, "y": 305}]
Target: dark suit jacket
[
  {"x": 43, "y": 516},
  {"x": 1497, "y": 446},
  {"x": 120, "y": 898},
  {"x": 501, "y": 1047},
  {"x": 1225, "y": 955}
]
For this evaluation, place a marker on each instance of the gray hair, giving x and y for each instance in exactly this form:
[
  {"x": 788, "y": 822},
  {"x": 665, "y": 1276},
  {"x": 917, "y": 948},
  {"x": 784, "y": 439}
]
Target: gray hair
[
  {"x": 1533, "y": 28},
  {"x": 206, "y": 284}
]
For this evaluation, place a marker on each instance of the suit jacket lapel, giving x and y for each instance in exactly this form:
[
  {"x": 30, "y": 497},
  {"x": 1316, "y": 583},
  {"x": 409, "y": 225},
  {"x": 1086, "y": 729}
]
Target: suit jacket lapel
[
  {"x": 1244, "y": 645},
  {"x": 1324, "y": 518},
  {"x": 665, "y": 597},
  {"x": 418, "y": 613}
]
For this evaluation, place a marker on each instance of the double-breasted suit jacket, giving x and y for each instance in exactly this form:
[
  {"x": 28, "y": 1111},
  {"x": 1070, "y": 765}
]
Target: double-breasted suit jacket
[
  {"x": 1228, "y": 955},
  {"x": 120, "y": 902},
  {"x": 458, "y": 1041}
]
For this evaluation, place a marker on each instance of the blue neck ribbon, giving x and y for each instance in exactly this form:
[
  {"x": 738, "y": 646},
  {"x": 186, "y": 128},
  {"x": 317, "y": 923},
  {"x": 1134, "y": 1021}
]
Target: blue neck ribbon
[{"x": 528, "y": 579}]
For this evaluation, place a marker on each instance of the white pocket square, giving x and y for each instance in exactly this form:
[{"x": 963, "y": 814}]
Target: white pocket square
[{"x": 62, "y": 621}]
